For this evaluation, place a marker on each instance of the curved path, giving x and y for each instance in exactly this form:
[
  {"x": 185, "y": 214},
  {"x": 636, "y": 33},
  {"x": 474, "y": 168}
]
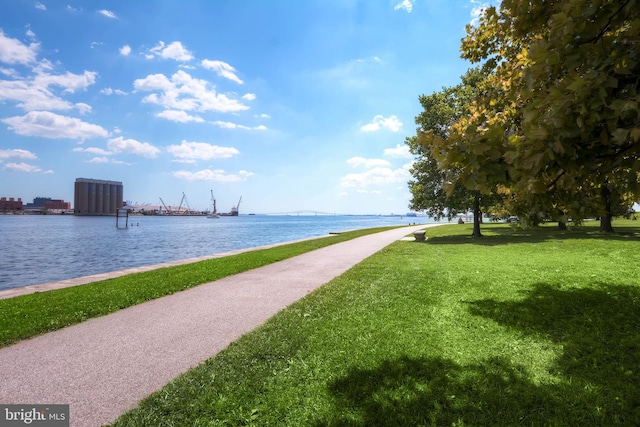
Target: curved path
[{"x": 105, "y": 366}]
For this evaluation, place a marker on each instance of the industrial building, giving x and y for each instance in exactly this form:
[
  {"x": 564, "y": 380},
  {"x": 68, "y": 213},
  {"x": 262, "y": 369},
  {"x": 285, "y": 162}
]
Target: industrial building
[
  {"x": 97, "y": 197},
  {"x": 11, "y": 204}
]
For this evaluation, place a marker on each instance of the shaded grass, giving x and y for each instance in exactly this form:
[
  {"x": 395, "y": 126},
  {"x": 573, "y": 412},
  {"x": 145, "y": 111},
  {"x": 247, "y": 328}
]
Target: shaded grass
[
  {"x": 29, "y": 315},
  {"x": 536, "y": 331}
]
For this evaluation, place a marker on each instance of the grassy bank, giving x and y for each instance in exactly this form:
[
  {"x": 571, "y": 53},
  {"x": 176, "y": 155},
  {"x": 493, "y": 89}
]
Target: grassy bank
[
  {"x": 29, "y": 315},
  {"x": 517, "y": 328}
]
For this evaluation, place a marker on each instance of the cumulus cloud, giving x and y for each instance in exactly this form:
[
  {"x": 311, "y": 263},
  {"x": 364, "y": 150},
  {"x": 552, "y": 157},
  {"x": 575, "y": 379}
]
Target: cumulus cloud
[
  {"x": 174, "y": 51},
  {"x": 249, "y": 96},
  {"x": 222, "y": 69},
  {"x": 40, "y": 6},
  {"x": 24, "y": 167},
  {"x": 13, "y": 51},
  {"x": 218, "y": 175},
  {"x": 93, "y": 150},
  {"x": 108, "y": 14},
  {"x": 192, "y": 151},
  {"x": 36, "y": 94},
  {"x": 401, "y": 151},
  {"x": 125, "y": 50},
  {"x": 183, "y": 92},
  {"x": 131, "y": 146},
  {"x": 69, "y": 82},
  {"x": 179, "y": 116},
  {"x": 355, "y": 162},
  {"x": 375, "y": 176},
  {"x": 406, "y": 5},
  {"x": 54, "y": 126},
  {"x": 16, "y": 153},
  {"x": 379, "y": 122}
]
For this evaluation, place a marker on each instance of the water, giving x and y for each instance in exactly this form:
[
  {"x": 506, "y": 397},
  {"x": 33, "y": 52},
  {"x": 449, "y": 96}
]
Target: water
[{"x": 47, "y": 248}]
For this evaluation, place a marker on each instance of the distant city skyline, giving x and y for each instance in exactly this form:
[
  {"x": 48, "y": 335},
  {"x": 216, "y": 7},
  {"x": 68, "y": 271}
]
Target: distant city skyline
[{"x": 293, "y": 105}]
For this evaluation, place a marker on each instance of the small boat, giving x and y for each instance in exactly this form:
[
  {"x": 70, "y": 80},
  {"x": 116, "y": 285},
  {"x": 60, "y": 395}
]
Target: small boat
[{"x": 214, "y": 213}]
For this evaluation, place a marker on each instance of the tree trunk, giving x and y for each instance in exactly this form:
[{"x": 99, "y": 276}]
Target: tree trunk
[
  {"x": 561, "y": 224},
  {"x": 477, "y": 216},
  {"x": 605, "y": 220}
]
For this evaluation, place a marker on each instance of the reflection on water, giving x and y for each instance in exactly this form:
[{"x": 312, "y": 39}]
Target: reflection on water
[{"x": 40, "y": 249}]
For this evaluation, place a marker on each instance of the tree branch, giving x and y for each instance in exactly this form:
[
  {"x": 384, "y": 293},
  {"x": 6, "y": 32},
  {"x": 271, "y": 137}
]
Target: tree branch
[{"x": 606, "y": 27}]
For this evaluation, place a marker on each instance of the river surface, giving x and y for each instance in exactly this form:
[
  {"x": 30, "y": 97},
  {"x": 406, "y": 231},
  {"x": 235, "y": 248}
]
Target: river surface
[{"x": 47, "y": 248}]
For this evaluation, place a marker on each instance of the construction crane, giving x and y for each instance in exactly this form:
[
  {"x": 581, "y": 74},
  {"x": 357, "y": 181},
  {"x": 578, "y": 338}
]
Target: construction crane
[
  {"x": 236, "y": 210},
  {"x": 165, "y": 206},
  {"x": 186, "y": 202}
]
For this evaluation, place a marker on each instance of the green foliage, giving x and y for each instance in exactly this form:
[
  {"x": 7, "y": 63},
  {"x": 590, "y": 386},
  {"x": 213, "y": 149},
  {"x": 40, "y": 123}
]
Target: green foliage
[
  {"x": 444, "y": 182},
  {"x": 568, "y": 74}
]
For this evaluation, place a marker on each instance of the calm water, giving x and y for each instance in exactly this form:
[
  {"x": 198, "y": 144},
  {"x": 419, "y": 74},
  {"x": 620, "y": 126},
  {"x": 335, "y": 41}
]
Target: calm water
[{"x": 45, "y": 248}]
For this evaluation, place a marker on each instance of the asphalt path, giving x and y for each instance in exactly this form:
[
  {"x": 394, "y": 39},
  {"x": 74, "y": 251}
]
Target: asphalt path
[{"x": 103, "y": 367}]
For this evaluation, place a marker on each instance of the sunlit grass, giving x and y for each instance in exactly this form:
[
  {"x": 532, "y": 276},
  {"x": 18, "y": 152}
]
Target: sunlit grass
[
  {"x": 29, "y": 315},
  {"x": 521, "y": 327}
]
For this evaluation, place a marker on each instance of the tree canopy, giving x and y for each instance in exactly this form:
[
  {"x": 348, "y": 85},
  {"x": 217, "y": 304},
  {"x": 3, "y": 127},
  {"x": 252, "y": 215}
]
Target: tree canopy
[{"x": 555, "y": 117}]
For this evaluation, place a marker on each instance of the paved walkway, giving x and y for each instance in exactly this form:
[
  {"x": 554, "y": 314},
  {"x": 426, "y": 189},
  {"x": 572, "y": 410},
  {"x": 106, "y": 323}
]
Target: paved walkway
[{"x": 105, "y": 366}]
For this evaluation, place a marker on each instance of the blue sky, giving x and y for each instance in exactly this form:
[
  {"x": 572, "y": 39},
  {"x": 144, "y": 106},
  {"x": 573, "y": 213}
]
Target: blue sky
[{"x": 293, "y": 105}]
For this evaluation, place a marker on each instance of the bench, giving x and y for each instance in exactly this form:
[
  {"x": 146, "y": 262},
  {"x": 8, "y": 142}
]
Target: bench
[{"x": 420, "y": 235}]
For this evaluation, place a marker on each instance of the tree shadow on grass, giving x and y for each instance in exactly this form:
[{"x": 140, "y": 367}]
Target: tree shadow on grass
[
  {"x": 599, "y": 330},
  {"x": 598, "y": 372},
  {"x": 440, "y": 392},
  {"x": 499, "y": 235}
]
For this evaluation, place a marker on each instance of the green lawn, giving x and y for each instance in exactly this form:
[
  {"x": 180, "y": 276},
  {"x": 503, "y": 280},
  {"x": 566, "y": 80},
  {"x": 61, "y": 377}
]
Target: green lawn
[
  {"x": 518, "y": 328},
  {"x": 29, "y": 315}
]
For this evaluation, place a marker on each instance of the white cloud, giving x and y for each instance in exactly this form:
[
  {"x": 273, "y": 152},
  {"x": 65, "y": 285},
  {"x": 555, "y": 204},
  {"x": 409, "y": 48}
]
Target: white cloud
[
  {"x": 264, "y": 116},
  {"x": 131, "y": 146},
  {"x": 401, "y": 151},
  {"x": 191, "y": 151},
  {"x": 69, "y": 82},
  {"x": 375, "y": 176},
  {"x": 109, "y": 91},
  {"x": 406, "y": 5},
  {"x": 183, "y": 92},
  {"x": 24, "y": 167},
  {"x": 13, "y": 51},
  {"x": 173, "y": 51},
  {"x": 222, "y": 69},
  {"x": 249, "y": 96},
  {"x": 355, "y": 162},
  {"x": 83, "y": 108},
  {"x": 40, "y": 6},
  {"x": 50, "y": 125},
  {"x": 93, "y": 150},
  {"x": 107, "y": 160},
  {"x": 218, "y": 175},
  {"x": 108, "y": 14},
  {"x": 231, "y": 125},
  {"x": 125, "y": 50},
  {"x": 379, "y": 122},
  {"x": 179, "y": 116},
  {"x": 16, "y": 153}
]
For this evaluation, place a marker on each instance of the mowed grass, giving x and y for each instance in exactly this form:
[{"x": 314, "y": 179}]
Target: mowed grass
[
  {"x": 535, "y": 327},
  {"x": 29, "y": 315}
]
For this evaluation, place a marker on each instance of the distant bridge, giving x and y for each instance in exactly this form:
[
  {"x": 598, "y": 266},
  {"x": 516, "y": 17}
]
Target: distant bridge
[{"x": 303, "y": 212}]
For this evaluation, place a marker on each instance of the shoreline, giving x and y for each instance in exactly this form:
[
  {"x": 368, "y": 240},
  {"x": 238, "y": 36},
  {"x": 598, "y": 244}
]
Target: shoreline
[{"x": 83, "y": 280}]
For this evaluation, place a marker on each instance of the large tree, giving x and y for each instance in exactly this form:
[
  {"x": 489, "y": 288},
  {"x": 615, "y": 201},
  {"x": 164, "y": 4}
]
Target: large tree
[
  {"x": 569, "y": 71},
  {"x": 437, "y": 186}
]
